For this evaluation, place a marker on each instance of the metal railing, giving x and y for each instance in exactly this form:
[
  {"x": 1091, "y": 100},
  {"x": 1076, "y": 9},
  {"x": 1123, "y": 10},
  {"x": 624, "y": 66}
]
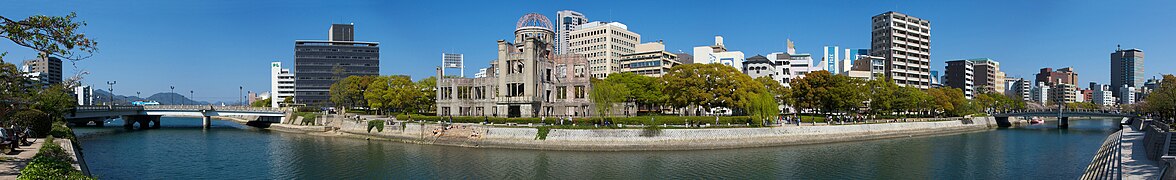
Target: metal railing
[
  {"x": 176, "y": 107},
  {"x": 1107, "y": 162}
]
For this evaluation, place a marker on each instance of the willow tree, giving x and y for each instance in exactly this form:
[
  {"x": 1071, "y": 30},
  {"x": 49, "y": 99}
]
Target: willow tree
[{"x": 605, "y": 95}]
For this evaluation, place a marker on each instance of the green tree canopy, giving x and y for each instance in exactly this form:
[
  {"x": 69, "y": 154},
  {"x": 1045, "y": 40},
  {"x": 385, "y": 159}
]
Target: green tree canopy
[
  {"x": 605, "y": 94},
  {"x": 822, "y": 91},
  {"x": 393, "y": 94},
  {"x": 349, "y": 92},
  {"x": 709, "y": 86}
]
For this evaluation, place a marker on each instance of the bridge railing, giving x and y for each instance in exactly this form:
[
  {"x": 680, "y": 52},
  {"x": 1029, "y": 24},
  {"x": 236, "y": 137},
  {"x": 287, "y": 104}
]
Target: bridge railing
[
  {"x": 107, "y": 108},
  {"x": 246, "y": 108}
]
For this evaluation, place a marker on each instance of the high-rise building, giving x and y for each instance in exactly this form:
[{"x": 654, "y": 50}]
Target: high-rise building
[
  {"x": 1060, "y": 76},
  {"x": 47, "y": 66},
  {"x": 1063, "y": 93},
  {"x": 651, "y": 59},
  {"x": 568, "y": 21},
  {"x": 1126, "y": 69},
  {"x": 603, "y": 44},
  {"x": 905, "y": 42},
  {"x": 281, "y": 84},
  {"x": 718, "y": 53},
  {"x": 960, "y": 74},
  {"x": 319, "y": 63}
]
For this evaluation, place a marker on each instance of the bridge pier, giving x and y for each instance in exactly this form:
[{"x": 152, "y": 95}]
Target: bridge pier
[
  {"x": 1063, "y": 122},
  {"x": 207, "y": 121},
  {"x": 145, "y": 121}
]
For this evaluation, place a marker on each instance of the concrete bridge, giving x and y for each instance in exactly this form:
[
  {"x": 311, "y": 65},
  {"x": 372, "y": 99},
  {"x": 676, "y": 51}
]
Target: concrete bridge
[
  {"x": 145, "y": 115},
  {"x": 1063, "y": 115}
]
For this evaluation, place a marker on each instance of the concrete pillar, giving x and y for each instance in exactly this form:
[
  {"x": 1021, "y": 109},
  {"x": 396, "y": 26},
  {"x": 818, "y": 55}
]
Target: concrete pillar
[
  {"x": 155, "y": 122},
  {"x": 207, "y": 120},
  {"x": 1063, "y": 122},
  {"x": 129, "y": 122}
]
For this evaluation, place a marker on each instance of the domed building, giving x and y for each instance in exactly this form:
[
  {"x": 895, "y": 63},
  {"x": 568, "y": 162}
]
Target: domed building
[{"x": 526, "y": 80}]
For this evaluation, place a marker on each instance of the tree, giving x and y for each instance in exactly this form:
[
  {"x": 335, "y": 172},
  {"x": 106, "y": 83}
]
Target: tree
[
  {"x": 826, "y": 93},
  {"x": 781, "y": 93},
  {"x": 40, "y": 122},
  {"x": 427, "y": 99},
  {"x": 709, "y": 86},
  {"x": 882, "y": 96},
  {"x": 950, "y": 101},
  {"x": 392, "y": 94},
  {"x": 349, "y": 91},
  {"x": 763, "y": 107},
  {"x": 262, "y": 103},
  {"x": 1162, "y": 100},
  {"x": 53, "y": 35},
  {"x": 644, "y": 91},
  {"x": 54, "y": 101},
  {"x": 605, "y": 94}
]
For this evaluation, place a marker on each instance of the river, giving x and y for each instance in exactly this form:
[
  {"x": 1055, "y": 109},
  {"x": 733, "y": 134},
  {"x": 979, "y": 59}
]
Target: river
[{"x": 183, "y": 150}]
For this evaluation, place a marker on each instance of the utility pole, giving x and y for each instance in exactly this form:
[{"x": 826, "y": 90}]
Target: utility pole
[{"x": 111, "y": 89}]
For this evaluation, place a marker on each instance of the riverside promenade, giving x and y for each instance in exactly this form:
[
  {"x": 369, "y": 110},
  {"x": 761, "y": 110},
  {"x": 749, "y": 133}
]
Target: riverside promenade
[
  {"x": 484, "y": 136},
  {"x": 1134, "y": 160}
]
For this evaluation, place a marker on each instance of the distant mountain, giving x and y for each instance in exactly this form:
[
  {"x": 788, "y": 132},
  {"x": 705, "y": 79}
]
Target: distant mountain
[{"x": 101, "y": 96}]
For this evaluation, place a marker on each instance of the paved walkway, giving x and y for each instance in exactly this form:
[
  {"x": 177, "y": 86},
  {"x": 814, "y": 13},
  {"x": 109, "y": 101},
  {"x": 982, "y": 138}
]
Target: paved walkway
[
  {"x": 13, "y": 162},
  {"x": 1135, "y": 163}
]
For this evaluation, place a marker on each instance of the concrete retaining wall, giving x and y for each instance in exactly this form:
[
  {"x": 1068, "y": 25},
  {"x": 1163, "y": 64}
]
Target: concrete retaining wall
[{"x": 664, "y": 139}]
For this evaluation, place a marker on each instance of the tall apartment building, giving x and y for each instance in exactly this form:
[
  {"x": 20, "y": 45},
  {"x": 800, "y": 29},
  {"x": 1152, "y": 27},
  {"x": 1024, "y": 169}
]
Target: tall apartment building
[
  {"x": 961, "y": 74},
  {"x": 1126, "y": 69},
  {"x": 604, "y": 44},
  {"x": 281, "y": 84},
  {"x": 1060, "y": 76},
  {"x": 568, "y": 21},
  {"x": 718, "y": 53},
  {"x": 49, "y": 67},
  {"x": 905, "y": 43},
  {"x": 651, "y": 59},
  {"x": 1063, "y": 93},
  {"x": 320, "y": 63}
]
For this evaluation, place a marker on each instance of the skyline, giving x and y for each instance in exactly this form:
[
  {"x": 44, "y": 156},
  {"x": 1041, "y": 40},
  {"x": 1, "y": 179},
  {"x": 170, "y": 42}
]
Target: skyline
[{"x": 215, "y": 59}]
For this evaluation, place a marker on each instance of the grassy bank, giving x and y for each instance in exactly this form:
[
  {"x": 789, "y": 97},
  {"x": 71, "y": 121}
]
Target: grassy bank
[{"x": 591, "y": 121}]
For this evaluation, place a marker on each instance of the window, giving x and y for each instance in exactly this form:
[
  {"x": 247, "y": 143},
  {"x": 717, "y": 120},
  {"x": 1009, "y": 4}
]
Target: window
[
  {"x": 561, "y": 92},
  {"x": 580, "y": 92}
]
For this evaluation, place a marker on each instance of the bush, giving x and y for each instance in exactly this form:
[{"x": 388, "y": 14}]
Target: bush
[
  {"x": 651, "y": 131},
  {"x": 61, "y": 130},
  {"x": 34, "y": 119},
  {"x": 307, "y": 117},
  {"x": 656, "y": 120},
  {"x": 51, "y": 162},
  {"x": 542, "y": 134},
  {"x": 378, "y": 124},
  {"x": 402, "y": 117}
]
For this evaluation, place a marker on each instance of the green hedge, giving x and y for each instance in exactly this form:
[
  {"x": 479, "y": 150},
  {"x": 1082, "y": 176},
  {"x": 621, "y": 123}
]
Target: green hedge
[
  {"x": 378, "y": 124},
  {"x": 51, "y": 162},
  {"x": 673, "y": 120}
]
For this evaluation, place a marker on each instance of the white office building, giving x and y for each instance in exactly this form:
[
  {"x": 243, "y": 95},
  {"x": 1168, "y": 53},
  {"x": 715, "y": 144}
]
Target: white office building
[
  {"x": 281, "y": 84},
  {"x": 604, "y": 44},
  {"x": 718, "y": 53},
  {"x": 84, "y": 95},
  {"x": 1126, "y": 95},
  {"x": 1103, "y": 96},
  {"x": 1040, "y": 93}
]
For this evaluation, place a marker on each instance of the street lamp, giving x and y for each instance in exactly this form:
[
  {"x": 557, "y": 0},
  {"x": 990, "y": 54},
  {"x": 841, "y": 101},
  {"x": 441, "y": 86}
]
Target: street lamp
[
  {"x": 173, "y": 95},
  {"x": 111, "y": 89},
  {"x": 192, "y": 95},
  {"x": 138, "y": 95},
  {"x": 240, "y": 96}
]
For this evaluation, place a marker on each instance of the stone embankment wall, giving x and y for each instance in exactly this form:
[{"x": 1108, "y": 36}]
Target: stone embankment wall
[{"x": 471, "y": 135}]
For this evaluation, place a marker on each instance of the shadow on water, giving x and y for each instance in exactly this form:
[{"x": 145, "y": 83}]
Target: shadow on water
[{"x": 115, "y": 126}]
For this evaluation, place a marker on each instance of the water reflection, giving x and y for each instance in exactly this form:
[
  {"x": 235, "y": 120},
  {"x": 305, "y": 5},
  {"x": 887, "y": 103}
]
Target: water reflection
[{"x": 233, "y": 151}]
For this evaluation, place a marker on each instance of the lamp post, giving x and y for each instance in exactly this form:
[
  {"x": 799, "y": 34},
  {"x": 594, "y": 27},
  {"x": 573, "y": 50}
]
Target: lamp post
[
  {"x": 138, "y": 95},
  {"x": 240, "y": 95},
  {"x": 111, "y": 89},
  {"x": 192, "y": 95},
  {"x": 173, "y": 95}
]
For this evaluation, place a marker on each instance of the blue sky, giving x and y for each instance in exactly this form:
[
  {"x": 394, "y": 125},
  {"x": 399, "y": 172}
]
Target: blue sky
[{"x": 213, "y": 46}]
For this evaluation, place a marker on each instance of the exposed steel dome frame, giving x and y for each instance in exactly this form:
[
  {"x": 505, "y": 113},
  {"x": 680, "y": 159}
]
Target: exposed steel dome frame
[{"x": 534, "y": 20}]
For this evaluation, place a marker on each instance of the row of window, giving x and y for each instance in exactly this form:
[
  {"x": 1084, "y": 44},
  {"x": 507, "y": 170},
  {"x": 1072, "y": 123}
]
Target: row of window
[{"x": 336, "y": 50}]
